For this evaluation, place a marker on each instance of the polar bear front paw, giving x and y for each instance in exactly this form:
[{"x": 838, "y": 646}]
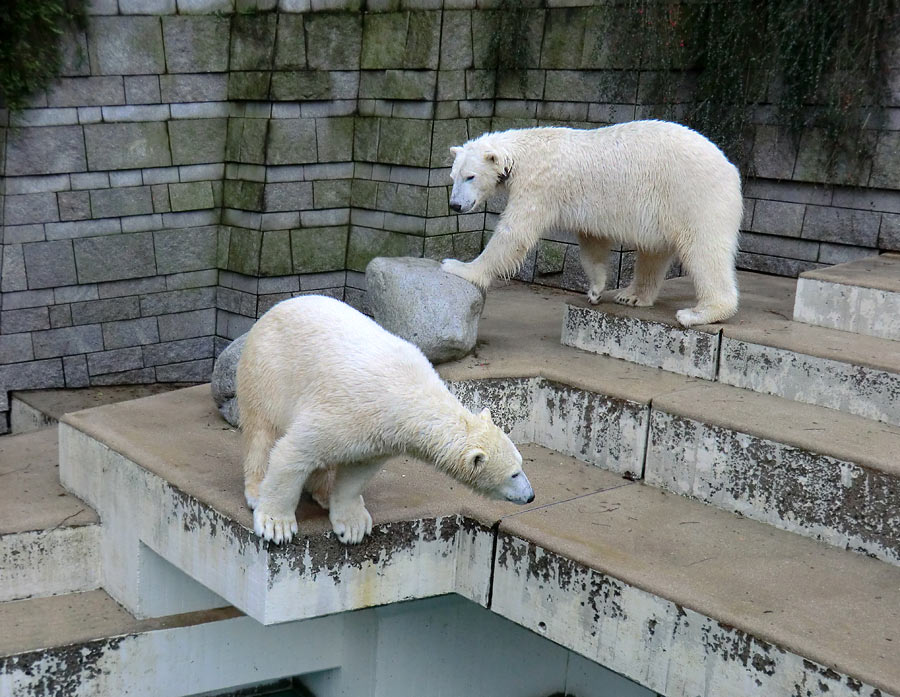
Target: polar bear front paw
[
  {"x": 276, "y": 528},
  {"x": 689, "y": 318},
  {"x": 350, "y": 522},
  {"x": 251, "y": 494},
  {"x": 628, "y": 297},
  {"x": 459, "y": 268},
  {"x": 593, "y": 294}
]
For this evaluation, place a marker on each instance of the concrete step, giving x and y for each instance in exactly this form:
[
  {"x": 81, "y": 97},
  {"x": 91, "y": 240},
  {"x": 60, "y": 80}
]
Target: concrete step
[
  {"x": 30, "y": 410},
  {"x": 681, "y": 597},
  {"x": 810, "y": 470},
  {"x": 49, "y": 539},
  {"x": 860, "y": 296},
  {"x": 760, "y": 349}
]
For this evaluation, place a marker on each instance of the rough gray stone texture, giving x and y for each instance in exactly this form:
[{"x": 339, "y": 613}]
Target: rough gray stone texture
[
  {"x": 126, "y": 145},
  {"x": 686, "y": 351},
  {"x": 224, "y": 382},
  {"x": 850, "y": 308},
  {"x": 126, "y": 46},
  {"x": 115, "y": 257},
  {"x": 45, "y": 150},
  {"x": 49, "y": 264},
  {"x": 415, "y": 300},
  {"x": 196, "y": 44}
]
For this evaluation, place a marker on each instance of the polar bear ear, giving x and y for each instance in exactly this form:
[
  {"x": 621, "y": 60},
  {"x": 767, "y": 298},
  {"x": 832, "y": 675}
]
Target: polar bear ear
[
  {"x": 455, "y": 149},
  {"x": 475, "y": 458},
  {"x": 486, "y": 415},
  {"x": 491, "y": 157}
]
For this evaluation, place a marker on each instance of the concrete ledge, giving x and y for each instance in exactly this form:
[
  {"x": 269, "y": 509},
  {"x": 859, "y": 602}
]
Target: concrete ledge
[
  {"x": 860, "y": 296},
  {"x": 688, "y": 600}
]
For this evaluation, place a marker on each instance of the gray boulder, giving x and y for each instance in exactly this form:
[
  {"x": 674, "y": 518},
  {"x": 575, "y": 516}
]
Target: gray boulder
[
  {"x": 224, "y": 380},
  {"x": 414, "y": 299}
]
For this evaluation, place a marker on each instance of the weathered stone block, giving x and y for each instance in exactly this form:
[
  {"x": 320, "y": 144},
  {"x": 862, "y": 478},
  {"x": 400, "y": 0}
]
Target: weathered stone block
[
  {"x": 33, "y": 375},
  {"x": 315, "y": 250},
  {"x": 334, "y": 139},
  {"x": 456, "y": 40},
  {"x": 405, "y": 142},
  {"x": 564, "y": 38},
  {"x": 45, "y": 150},
  {"x": 114, "y": 257},
  {"x": 288, "y": 196},
  {"x": 133, "y": 332},
  {"x": 185, "y": 250},
  {"x": 115, "y": 361},
  {"x": 244, "y": 195},
  {"x": 384, "y": 40},
  {"x": 67, "y": 341},
  {"x": 15, "y": 348},
  {"x": 291, "y": 141},
  {"x": 253, "y": 41},
  {"x": 334, "y": 193},
  {"x": 74, "y": 205},
  {"x": 301, "y": 85},
  {"x": 211, "y": 87},
  {"x": 30, "y": 208},
  {"x": 779, "y": 246},
  {"x": 75, "y": 370},
  {"x": 334, "y": 41},
  {"x": 87, "y": 91},
  {"x": 774, "y": 153},
  {"x": 365, "y": 244},
  {"x": 196, "y": 44},
  {"x": 111, "y": 203},
  {"x": 127, "y": 145},
  {"x": 246, "y": 140},
  {"x": 243, "y": 250},
  {"x": 778, "y": 218},
  {"x": 49, "y": 264},
  {"x": 197, "y": 141},
  {"x": 126, "y": 46},
  {"x": 192, "y": 371},
  {"x": 275, "y": 253},
  {"x": 290, "y": 42},
  {"x": 889, "y": 235},
  {"x": 820, "y": 159},
  {"x": 142, "y": 89},
  {"x": 398, "y": 84},
  {"x": 26, "y": 319},
  {"x": 886, "y": 161},
  {"x": 842, "y": 225},
  {"x": 191, "y": 196},
  {"x": 415, "y": 300},
  {"x": 178, "y": 351},
  {"x": 447, "y": 134},
  {"x": 187, "y": 325},
  {"x": 178, "y": 301},
  {"x": 60, "y": 316},
  {"x": 96, "y": 311},
  {"x": 365, "y": 139},
  {"x": 251, "y": 85}
]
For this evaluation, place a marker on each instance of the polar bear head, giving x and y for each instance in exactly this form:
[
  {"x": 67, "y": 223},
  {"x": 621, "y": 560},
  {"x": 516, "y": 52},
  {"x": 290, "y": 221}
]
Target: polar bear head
[
  {"x": 491, "y": 464},
  {"x": 478, "y": 169}
]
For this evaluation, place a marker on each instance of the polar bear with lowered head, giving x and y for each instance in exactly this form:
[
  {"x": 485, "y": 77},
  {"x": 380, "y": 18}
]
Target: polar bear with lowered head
[
  {"x": 326, "y": 396},
  {"x": 654, "y": 185}
]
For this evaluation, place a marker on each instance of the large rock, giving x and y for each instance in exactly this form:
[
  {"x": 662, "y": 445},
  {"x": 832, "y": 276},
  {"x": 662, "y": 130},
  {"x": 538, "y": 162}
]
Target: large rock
[
  {"x": 224, "y": 380},
  {"x": 415, "y": 300}
]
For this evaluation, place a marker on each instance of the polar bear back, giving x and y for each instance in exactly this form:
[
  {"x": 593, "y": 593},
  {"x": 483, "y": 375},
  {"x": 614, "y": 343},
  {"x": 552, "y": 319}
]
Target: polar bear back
[{"x": 315, "y": 352}]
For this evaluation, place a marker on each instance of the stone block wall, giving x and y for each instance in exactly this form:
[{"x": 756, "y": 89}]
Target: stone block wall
[{"x": 200, "y": 160}]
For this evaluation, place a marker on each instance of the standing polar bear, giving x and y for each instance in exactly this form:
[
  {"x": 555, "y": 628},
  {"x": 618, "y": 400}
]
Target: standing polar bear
[
  {"x": 659, "y": 186},
  {"x": 326, "y": 395}
]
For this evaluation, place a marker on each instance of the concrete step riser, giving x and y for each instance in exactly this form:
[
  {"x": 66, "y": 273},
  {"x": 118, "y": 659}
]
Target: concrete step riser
[
  {"x": 24, "y": 418},
  {"x": 810, "y": 494},
  {"x": 838, "y": 502},
  {"x": 868, "y": 311},
  {"x": 853, "y": 389},
  {"x": 684, "y": 351},
  {"x": 150, "y": 526},
  {"x": 49, "y": 562},
  {"x": 658, "y": 643}
]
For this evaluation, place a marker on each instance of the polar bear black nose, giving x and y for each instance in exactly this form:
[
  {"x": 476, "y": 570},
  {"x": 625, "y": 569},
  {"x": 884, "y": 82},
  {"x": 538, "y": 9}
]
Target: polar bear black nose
[{"x": 456, "y": 206}]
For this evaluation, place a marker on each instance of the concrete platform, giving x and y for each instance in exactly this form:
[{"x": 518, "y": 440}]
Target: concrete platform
[
  {"x": 860, "y": 296},
  {"x": 49, "y": 539},
  {"x": 30, "y": 410},
  {"x": 762, "y": 348},
  {"x": 167, "y": 468}
]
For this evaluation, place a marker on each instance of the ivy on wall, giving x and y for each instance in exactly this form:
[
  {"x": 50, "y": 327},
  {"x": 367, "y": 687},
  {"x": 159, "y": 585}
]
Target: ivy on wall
[
  {"x": 721, "y": 66},
  {"x": 31, "y": 35}
]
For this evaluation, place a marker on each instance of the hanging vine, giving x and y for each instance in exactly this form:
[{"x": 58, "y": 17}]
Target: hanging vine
[{"x": 31, "y": 34}]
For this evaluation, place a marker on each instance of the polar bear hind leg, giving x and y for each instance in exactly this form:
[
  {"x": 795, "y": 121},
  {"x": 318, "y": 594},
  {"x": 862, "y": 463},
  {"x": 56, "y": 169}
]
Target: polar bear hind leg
[
  {"x": 650, "y": 269},
  {"x": 594, "y": 253},
  {"x": 259, "y": 441},
  {"x": 350, "y": 520},
  {"x": 319, "y": 485},
  {"x": 715, "y": 283}
]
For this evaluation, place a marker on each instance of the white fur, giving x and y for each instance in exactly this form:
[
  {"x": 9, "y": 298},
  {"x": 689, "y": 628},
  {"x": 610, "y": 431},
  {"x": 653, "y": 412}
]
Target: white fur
[
  {"x": 654, "y": 185},
  {"x": 326, "y": 395}
]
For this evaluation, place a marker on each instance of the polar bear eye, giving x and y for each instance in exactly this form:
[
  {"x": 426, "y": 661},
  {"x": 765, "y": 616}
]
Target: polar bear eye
[{"x": 470, "y": 177}]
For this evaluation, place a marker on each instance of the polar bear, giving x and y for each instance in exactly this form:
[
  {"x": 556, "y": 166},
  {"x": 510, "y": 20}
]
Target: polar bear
[
  {"x": 325, "y": 395},
  {"x": 656, "y": 185}
]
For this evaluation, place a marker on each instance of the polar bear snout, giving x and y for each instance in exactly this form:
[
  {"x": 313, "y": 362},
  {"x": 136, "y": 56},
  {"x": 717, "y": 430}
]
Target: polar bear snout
[
  {"x": 456, "y": 206},
  {"x": 517, "y": 489}
]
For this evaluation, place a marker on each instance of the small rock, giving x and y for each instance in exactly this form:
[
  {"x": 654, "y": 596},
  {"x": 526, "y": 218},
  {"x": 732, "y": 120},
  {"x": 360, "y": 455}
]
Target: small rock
[
  {"x": 434, "y": 310},
  {"x": 224, "y": 380}
]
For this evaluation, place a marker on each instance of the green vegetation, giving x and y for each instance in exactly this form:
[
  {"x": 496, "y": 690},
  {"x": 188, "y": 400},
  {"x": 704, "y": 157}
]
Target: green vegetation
[{"x": 31, "y": 34}]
